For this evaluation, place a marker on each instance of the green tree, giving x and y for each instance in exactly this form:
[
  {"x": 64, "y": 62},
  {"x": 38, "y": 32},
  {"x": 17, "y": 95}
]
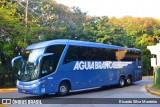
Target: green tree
[{"x": 11, "y": 31}]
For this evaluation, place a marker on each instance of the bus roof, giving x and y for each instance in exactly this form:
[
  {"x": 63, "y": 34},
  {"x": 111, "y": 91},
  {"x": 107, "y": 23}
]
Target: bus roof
[{"x": 77, "y": 43}]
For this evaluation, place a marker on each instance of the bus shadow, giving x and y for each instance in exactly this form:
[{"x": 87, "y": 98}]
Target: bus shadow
[{"x": 86, "y": 91}]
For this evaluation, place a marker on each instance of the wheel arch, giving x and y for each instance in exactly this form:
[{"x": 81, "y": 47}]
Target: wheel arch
[
  {"x": 130, "y": 75},
  {"x": 122, "y": 75},
  {"x": 67, "y": 81}
]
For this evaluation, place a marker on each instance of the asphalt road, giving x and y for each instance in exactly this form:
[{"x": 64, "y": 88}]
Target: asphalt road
[{"x": 137, "y": 90}]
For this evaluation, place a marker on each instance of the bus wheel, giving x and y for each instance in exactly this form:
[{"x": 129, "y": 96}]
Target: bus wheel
[
  {"x": 63, "y": 89},
  {"x": 129, "y": 81},
  {"x": 121, "y": 82}
]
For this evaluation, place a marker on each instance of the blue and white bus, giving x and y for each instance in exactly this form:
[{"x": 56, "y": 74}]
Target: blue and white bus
[{"x": 59, "y": 66}]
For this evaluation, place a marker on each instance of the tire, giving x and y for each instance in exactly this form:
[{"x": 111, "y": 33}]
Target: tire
[
  {"x": 63, "y": 89},
  {"x": 121, "y": 82},
  {"x": 129, "y": 81}
]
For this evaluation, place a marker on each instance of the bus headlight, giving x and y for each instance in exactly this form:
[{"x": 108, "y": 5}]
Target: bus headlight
[{"x": 36, "y": 84}]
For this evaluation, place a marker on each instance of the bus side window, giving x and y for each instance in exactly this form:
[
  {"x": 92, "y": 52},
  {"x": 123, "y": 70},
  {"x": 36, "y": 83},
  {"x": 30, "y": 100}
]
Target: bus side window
[
  {"x": 73, "y": 54},
  {"x": 47, "y": 65},
  {"x": 86, "y": 53}
]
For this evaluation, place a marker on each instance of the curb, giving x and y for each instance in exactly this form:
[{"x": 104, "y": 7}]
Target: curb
[
  {"x": 8, "y": 90},
  {"x": 147, "y": 76},
  {"x": 151, "y": 91},
  {"x": 1, "y": 105}
]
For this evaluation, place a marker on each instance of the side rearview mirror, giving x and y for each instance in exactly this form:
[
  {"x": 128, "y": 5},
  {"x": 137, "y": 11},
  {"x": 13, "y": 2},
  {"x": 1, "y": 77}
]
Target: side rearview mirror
[
  {"x": 41, "y": 56},
  {"x": 16, "y": 58}
]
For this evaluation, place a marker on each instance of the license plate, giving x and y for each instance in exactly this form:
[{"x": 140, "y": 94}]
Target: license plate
[{"x": 23, "y": 91}]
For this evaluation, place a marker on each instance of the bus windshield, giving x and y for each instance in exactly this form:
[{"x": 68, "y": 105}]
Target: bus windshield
[{"x": 28, "y": 71}]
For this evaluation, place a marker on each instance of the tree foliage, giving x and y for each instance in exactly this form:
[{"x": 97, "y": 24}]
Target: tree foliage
[{"x": 48, "y": 20}]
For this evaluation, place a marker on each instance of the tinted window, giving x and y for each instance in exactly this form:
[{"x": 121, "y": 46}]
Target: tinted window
[
  {"x": 128, "y": 55},
  {"x": 97, "y": 54},
  {"x": 49, "y": 63},
  {"x": 82, "y": 53},
  {"x": 73, "y": 54}
]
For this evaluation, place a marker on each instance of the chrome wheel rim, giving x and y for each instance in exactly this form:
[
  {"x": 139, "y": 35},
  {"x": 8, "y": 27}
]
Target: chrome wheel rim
[
  {"x": 121, "y": 82},
  {"x": 128, "y": 81},
  {"x": 63, "y": 89}
]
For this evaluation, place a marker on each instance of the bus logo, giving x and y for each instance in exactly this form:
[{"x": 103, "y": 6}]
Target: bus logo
[{"x": 94, "y": 65}]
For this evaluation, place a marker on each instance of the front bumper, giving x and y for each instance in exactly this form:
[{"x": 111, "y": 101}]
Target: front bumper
[{"x": 34, "y": 90}]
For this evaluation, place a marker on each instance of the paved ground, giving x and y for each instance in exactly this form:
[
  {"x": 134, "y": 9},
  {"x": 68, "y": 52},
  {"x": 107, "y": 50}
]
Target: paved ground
[{"x": 135, "y": 91}]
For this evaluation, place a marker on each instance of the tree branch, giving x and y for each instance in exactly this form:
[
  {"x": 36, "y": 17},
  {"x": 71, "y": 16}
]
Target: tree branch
[{"x": 19, "y": 3}]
